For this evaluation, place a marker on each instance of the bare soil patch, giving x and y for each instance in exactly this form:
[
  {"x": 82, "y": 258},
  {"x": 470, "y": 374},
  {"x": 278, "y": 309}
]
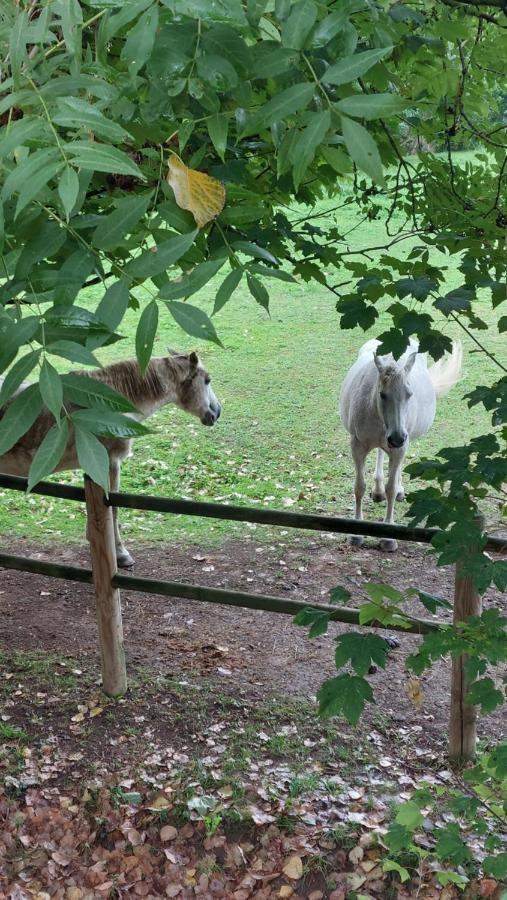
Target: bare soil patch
[{"x": 258, "y": 653}]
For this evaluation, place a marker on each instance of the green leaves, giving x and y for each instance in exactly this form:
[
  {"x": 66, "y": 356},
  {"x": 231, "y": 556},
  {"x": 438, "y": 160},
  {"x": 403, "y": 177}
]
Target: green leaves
[
  {"x": 128, "y": 212},
  {"x": 194, "y": 321},
  {"x": 362, "y": 149},
  {"x": 217, "y": 129},
  {"x": 76, "y": 114},
  {"x": 68, "y": 189},
  {"x": 153, "y": 262},
  {"x": 193, "y": 282},
  {"x": 51, "y": 389},
  {"x": 17, "y": 374},
  {"x": 345, "y": 695},
  {"x": 371, "y": 106},
  {"x": 108, "y": 424},
  {"x": 257, "y": 290},
  {"x": 101, "y": 158},
  {"x": 289, "y": 101},
  {"x": 304, "y": 148},
  {"x": 85, "y": 390},
  {"x": 19, "y": 417},
  {"x": 298, "y": 25},
  {"x": 92, "y": 456},
  {"x": 139, "y": 44},
  {"x": 351, "y": 67},
  {"x": 409, "y": 815},
  {"x": 49, "y": 453},
  {"x": 227, "y": 288},
  {"x": 483, "y": 693},
  {"x": 145, "y": 334},
  {"x": 361, "y": 650}
]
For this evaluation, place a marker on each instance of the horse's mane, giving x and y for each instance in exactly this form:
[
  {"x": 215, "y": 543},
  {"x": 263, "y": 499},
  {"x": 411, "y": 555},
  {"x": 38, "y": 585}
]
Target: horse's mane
[{"x": 125, "y": 377}]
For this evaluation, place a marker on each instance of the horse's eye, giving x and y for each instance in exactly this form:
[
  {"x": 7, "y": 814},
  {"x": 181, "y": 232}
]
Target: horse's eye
[
  {"x": 383, "y": 396},
  {"x": 207, "y": 380}
]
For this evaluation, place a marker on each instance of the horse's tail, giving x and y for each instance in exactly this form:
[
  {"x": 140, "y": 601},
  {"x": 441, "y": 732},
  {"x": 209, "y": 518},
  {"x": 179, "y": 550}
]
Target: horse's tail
[{"x": 446, "y": 372}]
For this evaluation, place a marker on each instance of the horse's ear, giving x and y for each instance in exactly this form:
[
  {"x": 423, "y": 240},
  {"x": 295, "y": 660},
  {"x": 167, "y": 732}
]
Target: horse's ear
[
  {"x": 410, "y": 363},
  {"x": 172, "y": 352},
  {"x": 193, "y": 360},
  {"x": 378, "y": 362}
]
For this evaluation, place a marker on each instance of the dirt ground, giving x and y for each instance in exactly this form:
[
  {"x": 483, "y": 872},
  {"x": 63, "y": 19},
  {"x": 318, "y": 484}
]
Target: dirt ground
[{"x": 257, "y": 653}]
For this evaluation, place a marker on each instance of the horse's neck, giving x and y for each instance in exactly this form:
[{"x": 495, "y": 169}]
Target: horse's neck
[{"x": 150, "y": 403}]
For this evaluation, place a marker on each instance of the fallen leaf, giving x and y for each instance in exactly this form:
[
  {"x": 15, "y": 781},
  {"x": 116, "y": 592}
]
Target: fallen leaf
[
  {"x": 488, "y": 887},
  {"x": 79, "y": 717},
  {"x": 293, "y": 868},
  {"x": 259, "y": 816},
  {"x": 168, "y": 833},
  {"x": 285, "y": 891},
  {"x": 414, "y": 691},
  {"x": 202, "y": 195},
  {"x": 356, "y": 855}
]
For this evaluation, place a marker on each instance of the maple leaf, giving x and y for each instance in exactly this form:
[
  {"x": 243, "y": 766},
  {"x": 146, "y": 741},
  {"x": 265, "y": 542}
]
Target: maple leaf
[{"x": 201, "y": 194}]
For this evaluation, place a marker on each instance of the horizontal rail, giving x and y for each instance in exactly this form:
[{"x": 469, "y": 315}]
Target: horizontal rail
[
  {"x": 258, "y": 515},
  {"x": 47, "y": 488},
  {"x": 206, "y": 594}
]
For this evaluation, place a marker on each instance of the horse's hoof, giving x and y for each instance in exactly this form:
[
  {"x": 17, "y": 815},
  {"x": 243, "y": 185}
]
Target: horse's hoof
[
  {"x": 378, "y": 496},
  {"x": 389, "y": 545},
  {"x": 124, "y": 559},
  {"x": 400, "y": 496},
  {"x": 355, "y": 540}
]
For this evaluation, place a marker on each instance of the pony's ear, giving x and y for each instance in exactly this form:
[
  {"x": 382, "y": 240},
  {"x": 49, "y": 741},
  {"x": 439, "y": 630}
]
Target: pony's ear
[
  {"x": 410, "y": 363},
  {"x": 172, "y": 352},
  {"x": 378, "y": 362},
  {"x": 193, "y": 360}
]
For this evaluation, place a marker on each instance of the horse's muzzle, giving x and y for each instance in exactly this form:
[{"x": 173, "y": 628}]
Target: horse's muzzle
[
  {"x": 395, "y": 441},
  {"x": 211, "y": 415}
]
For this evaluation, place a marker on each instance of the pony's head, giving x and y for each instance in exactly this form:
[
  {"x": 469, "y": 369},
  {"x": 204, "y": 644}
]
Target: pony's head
[
  {"x": 393, "y": 396},
  {"x": 194, "y": 393}
]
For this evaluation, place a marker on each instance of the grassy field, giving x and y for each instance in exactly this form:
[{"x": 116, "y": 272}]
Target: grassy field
[{"x": 279, "y": 442}]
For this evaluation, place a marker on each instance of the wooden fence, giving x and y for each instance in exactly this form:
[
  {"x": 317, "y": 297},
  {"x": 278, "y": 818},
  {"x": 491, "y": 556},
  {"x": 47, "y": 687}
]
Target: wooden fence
[{"x": 106, "y": 580}]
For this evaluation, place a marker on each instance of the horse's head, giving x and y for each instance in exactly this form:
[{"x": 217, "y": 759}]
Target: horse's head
[
  {"x": 393, "y": 395},
  {"x": 194, "y": 393}
]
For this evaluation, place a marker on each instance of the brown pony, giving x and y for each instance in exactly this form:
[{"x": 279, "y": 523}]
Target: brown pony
[{"x": 179, "y": 378}]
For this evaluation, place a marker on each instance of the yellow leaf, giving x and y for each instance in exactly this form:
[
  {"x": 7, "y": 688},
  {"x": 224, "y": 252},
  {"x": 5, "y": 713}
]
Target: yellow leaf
[
  {"x": 159, "y": 802},
  {"x": 96, "y": 710},
  {"x": 293, "y": 868},
  {"x": 414, "y": 691},
  {"x": 285, "y": 891},
  {"x": 203, "y": 195},
  {"x": 79, "y": 717}
]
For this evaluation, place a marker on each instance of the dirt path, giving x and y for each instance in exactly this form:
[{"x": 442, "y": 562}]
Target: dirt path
[{"x": 258, "y": 653}]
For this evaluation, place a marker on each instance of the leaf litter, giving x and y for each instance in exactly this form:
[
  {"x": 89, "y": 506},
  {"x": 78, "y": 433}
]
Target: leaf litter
[{"x": 225, "y": 811}]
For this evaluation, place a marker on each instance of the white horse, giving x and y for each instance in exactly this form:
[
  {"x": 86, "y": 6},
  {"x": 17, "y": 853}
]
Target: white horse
[
  {"x": 179, "y": 378},
  {"x": 384, "y": 404}
]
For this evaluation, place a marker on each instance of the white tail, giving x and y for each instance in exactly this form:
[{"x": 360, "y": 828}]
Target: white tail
[{"x": 445, "y": 373}]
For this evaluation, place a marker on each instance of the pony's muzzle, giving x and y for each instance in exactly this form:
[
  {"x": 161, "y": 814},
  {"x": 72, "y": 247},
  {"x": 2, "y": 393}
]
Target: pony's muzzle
[
  {"x": 397, "y": 439},
  {"x": 211, "y": 415}
]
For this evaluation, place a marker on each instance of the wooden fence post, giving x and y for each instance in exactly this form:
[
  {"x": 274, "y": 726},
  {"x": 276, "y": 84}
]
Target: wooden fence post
[
  {"x": 463, "y": 719},
  {"x": 107, "y": 598}
]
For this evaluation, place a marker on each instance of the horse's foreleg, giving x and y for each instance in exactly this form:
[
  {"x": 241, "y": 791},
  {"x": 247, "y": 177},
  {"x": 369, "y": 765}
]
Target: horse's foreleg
[
  {"x": 379, "y": 491},
  {"x": 359, "y": 454},
  {"x": 123, "y": 557},
  {"x": 392, "y": 487}
]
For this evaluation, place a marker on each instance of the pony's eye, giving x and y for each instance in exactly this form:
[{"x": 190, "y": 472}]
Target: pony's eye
[
  {"x": 207, "y": 380},
  {"x": 383, "y": 396}
]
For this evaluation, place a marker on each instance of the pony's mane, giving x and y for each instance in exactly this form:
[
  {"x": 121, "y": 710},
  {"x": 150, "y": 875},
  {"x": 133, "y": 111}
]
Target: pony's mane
[{"x": 125, "y": 377}]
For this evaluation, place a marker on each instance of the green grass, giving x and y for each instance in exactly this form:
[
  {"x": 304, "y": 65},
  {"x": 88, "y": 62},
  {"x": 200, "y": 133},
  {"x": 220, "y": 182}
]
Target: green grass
[{"x": 279, "y": 442}]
